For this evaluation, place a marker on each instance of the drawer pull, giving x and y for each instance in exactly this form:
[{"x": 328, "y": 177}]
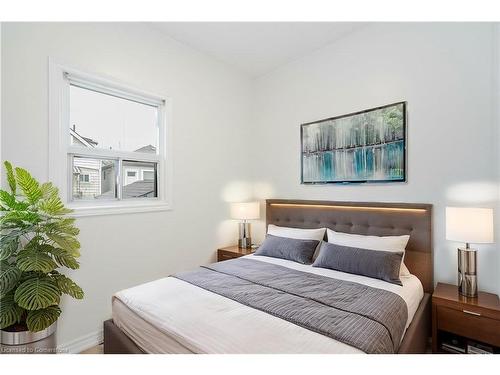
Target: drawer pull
[{"x": 471, "y": 312}]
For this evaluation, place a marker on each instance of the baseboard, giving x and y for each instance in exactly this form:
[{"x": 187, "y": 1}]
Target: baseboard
[{"x": 82, "y": 343}]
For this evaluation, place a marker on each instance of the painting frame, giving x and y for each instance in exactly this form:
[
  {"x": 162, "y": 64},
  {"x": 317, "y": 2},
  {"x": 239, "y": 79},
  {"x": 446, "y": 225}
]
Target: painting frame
[{"x": 404, "y": 161}]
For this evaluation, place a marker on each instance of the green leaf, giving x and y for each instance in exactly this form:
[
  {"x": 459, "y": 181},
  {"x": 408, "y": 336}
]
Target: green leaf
[
  {"x": 35, "y": 260},
  {"x": 67, "y": 261},
  {"x": 54, "y": 206},
  {"x": 68, "y": 243},
  {"x": 68, "y": 286},
  {"x": 62, "y": 257},
  {"x": 49, "y": 190},
  {"x": 21, "y": 217},
  {"x": 8, "y": 245},
  {"x": 11, "y": 178},
  {"x": 29, "y": 186},
  {"x": 10, "y": 312},
  {"x": 51, "y": 203},
  {"x": 7, "y": 200},
  {"x": 9, "y": 276},
  {"x": 62, "y": 226},
  {"x": 43, "y": 318},
  {"x": 37, "y": 293}
]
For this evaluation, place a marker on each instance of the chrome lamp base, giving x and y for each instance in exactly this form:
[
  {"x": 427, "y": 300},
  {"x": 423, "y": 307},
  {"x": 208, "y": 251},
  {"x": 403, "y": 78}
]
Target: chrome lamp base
[
  {"x": 467, "y": 272},
  {"x": 244, "y": 241}
]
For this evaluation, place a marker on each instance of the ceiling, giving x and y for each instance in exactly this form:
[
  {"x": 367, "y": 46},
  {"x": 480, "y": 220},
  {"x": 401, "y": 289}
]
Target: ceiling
[{"x": 256, "y": 48}]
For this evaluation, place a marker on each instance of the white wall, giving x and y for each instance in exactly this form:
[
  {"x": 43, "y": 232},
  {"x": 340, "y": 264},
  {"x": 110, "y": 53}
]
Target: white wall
[
  {"x": 443, "y": 71},
  {"x": 211, "y": 104}
]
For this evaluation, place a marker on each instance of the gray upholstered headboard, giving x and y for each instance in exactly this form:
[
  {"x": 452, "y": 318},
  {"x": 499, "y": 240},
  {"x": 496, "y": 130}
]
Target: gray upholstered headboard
[{"x": 369, "y": 218}]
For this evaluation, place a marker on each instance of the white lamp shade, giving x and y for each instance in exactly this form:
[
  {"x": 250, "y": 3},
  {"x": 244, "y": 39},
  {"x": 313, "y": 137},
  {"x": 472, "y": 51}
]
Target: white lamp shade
[
  {"x": 245, "y": 211},
  {"x": 469, "y": 225}
]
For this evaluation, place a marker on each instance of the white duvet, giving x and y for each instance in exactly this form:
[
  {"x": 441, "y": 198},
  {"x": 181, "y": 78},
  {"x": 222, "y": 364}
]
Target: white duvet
[{"x": 172, "y": 316}]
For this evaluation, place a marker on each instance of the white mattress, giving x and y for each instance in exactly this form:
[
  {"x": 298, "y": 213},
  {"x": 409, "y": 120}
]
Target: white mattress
[{"x": 171, "y": 316}]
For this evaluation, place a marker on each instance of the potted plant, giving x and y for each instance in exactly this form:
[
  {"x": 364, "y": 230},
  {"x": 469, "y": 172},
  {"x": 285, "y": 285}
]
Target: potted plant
[{"x": 36, "y": 240}]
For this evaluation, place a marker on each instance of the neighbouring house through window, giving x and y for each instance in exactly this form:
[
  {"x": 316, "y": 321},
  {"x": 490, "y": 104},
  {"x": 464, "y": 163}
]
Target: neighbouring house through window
[{"x": 148, "y": 175}]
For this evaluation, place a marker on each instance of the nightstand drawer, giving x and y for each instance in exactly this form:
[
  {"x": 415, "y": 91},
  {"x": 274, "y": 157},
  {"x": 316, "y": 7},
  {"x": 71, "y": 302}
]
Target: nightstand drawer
[
  {"x": 469, "y": 323},
  {"x": 222, "y": 255},
  {"x": 232, "y": 252}
]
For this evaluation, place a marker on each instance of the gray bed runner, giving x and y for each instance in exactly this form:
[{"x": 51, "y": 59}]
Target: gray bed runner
[{"x": 370, "y": 319}]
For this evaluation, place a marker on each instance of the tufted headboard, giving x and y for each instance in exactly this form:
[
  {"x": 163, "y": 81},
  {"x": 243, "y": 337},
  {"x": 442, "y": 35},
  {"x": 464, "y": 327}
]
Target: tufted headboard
[{"x": 378, "y": 219}]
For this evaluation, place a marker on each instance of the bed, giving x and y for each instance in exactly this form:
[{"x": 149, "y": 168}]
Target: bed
[{"x": 171, "y": 315}]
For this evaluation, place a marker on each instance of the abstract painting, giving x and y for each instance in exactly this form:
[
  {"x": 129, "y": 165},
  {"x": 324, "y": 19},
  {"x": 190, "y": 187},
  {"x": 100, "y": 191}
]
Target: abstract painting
[{"x": 366, "y": 146}]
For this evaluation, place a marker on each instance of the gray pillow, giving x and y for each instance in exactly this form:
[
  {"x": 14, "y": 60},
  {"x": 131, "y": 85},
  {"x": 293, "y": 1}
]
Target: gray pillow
[
  {"x": 382, "y": 265},
  {"x": 300, "y": 251}
]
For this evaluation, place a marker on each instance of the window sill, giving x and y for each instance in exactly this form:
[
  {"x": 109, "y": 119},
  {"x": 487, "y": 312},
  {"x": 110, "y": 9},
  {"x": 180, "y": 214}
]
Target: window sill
[{"x": 80, "y": 210}]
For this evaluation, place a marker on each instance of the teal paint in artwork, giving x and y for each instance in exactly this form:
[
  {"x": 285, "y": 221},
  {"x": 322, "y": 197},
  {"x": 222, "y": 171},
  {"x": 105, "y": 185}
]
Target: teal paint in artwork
[
  {"x": 359, "y": 163},
  {"x": 394, "y": 168},
  {"x": 369, "y": 162},
  {"x": 326, "y": 168}
]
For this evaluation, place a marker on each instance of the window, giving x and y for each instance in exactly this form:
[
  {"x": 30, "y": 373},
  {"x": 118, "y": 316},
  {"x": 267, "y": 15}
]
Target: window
[
  {"x": 102, "y": 184},
  {"x": 84, "y": 178},
  {"x": 133, "y": 186},
  {"x": 112, "y": 140},
  {"x": 103, "y": 121}
]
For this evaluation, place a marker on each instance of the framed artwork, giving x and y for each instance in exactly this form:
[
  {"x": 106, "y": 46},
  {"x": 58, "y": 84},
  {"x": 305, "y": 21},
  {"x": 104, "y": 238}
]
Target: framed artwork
[{"x": 360, "y": 147}]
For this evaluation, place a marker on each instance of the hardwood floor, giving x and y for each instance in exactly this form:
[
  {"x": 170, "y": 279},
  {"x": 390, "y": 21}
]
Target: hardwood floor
[{"x": 98, "y": 349}]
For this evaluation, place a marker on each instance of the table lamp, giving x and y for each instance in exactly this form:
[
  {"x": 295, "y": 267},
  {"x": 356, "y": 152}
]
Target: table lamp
[
  {"x": 245, "y": 211},
  {"x": 469, "y": 225}
]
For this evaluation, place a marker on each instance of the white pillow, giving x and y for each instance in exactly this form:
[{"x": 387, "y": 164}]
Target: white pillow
[
  {"x": 385, "y": 243},
  {"x": 297, "y": 233}
]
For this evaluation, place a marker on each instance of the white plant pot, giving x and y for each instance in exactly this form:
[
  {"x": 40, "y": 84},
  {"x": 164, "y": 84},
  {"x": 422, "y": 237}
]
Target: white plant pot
[{"x": 26, "y": 342}]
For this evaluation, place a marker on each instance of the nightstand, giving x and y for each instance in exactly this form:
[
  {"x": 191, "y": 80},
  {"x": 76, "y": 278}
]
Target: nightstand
[
  {"x": 231, "y": 252},
  {"x": 460, "y": 322}
]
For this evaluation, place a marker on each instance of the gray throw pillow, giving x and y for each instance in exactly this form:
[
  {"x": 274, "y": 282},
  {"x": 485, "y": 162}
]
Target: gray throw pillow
[
  {"x": 382, "y": 265},
  {"x": 300, "y": 251}
]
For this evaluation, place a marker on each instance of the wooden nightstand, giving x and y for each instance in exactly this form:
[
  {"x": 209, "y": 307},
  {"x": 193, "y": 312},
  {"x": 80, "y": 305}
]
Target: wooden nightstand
[
  {"x": 231, "y": 252},
  {"x": 462, "y": 320}
]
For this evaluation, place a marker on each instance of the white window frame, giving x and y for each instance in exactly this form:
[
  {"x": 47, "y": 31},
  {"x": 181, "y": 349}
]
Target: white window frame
[{"x": 61, "y": 151}]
